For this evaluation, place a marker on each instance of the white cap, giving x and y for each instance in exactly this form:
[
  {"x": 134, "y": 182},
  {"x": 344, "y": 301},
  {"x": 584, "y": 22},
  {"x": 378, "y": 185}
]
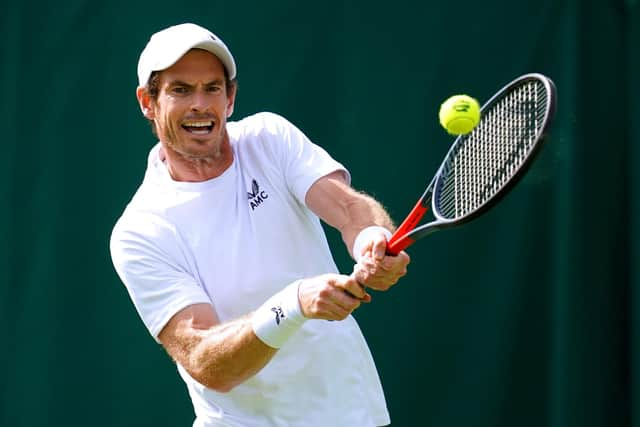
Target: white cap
[{"x": 166, "y": 47}]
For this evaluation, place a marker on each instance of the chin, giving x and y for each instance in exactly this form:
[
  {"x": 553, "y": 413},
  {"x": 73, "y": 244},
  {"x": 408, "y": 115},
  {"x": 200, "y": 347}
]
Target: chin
[
  {"x": 196, "y": 146},
  {"x": 200, "y": 149}
]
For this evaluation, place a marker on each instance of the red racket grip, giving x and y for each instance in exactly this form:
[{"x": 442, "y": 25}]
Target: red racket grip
[
  {"x": 394, "y": 247},
  {"x": 399, "y": 241}
]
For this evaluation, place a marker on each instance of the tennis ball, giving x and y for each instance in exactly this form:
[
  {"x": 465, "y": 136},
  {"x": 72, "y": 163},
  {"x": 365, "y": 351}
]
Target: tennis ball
[{"x": 459, "y": 114}]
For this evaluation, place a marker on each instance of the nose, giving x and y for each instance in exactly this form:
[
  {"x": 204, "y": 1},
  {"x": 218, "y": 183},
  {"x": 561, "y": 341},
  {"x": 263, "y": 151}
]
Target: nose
[{"x": 200, "y": 102}]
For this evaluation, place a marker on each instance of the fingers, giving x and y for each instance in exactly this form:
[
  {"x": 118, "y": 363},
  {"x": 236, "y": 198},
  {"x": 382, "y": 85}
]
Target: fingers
[
  {"x": 330, "y": 297},
  {"x": 379, "y": 248},
  {"x": 335, "y": 296},
  {"x": 375, "y": 249},
  {"x": 383, "y": 273},
  {"x": 354, "y": 289},
  {"x": 376, "y": 269}
]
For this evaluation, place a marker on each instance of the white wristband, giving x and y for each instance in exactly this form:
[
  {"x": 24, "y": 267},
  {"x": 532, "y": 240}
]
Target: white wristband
[
  {"x": 364, "y": 238},
  {"x": 279, "y": 317}
]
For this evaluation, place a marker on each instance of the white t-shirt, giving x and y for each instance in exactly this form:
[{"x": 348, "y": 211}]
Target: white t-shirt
[{"x": 233, "y": 241}]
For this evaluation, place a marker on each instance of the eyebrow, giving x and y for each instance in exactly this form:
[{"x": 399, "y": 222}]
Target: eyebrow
[{"x": 185, "y": 84}]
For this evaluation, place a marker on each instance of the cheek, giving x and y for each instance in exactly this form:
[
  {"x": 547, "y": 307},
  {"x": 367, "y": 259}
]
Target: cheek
[{"x": 166, "y": 126}]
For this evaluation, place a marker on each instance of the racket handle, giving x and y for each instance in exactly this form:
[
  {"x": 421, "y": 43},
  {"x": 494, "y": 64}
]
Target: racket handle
[{"x": 397, "y": 244}]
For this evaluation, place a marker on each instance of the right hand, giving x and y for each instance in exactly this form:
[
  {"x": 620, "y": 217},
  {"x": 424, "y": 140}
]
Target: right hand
[
  {"x": 330, "y": 296},
  {"x": 377, "y": 270}
]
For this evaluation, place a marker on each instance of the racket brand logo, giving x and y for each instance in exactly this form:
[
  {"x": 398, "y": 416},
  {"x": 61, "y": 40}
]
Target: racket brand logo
[
  {"x": 256, "y": 196},
  {"x": 279, "y": 313}
]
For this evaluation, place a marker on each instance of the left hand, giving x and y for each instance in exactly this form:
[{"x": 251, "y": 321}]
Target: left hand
[{"x": 376, "y": 269}]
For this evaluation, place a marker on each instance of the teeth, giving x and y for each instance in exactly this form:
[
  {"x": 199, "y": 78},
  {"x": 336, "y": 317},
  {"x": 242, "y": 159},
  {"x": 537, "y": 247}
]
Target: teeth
[{"x": 198, "y": 124}]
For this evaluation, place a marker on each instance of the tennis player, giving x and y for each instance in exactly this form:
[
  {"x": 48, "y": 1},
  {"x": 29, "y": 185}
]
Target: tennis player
[{"x": 223, "y": 254}]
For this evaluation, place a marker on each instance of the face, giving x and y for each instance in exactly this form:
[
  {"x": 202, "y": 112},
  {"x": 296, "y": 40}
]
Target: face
[{"x": 191, "y": 110}]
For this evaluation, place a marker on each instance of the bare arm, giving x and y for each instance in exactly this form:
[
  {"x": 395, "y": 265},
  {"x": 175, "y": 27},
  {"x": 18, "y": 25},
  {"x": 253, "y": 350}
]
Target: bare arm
[
  {"x": 349, "y": 211},
  {"x": 223, "y": 355},
  {"x": 345, "y": 209},
  {"x": 217, "y": 355}
]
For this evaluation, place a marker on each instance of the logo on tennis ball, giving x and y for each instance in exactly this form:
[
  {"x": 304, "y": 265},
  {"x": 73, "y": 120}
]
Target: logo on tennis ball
[
  {"x": 459, "y": 114},
  {"x": 462, "y": 107}
]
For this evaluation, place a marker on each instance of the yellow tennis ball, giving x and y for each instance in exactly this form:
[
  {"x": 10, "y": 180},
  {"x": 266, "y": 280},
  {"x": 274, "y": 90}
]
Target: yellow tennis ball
[{"x": 459, "y": 114}]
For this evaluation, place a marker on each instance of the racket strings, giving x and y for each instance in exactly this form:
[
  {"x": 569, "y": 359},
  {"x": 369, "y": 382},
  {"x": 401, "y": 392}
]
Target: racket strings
[{"x": 484, "y": 161}]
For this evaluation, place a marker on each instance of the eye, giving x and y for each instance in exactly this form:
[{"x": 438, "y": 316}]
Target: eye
[
  {"x": 214, "y": 88},
  {"x": 179, "y": 90}
]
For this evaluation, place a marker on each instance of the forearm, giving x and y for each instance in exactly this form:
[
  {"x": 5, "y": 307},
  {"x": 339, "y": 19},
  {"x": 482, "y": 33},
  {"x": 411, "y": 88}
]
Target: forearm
[
  {"x": 339, "y": 205},
  {"x": 222, "y": 356},
  {"x": 362, "y": 211},
  {"x": 231, "y": 354},
  {"x": 345, "y": 209},
  {"x": 226, "y": 355}
]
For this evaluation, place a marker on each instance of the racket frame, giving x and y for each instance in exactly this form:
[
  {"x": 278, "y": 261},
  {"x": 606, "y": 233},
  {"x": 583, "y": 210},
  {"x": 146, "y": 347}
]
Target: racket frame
[{"x": 407, "y": 233}]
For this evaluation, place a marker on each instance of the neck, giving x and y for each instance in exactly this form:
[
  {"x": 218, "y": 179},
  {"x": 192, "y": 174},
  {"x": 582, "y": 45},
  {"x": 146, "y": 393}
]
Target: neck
[{"x": 185, "y": 168}]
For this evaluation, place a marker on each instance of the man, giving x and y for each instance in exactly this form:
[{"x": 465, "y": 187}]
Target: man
[{"x": 223, "y": 254}]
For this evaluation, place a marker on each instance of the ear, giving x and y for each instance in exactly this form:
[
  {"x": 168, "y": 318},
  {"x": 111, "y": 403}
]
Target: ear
[
  {"x": 231, "y": 100},
  {"x": 146, "y": 102}
]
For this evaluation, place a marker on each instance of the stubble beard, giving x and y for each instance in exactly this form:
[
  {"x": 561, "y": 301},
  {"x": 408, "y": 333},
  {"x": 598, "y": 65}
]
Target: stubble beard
[{"x": 212, "y": 153}]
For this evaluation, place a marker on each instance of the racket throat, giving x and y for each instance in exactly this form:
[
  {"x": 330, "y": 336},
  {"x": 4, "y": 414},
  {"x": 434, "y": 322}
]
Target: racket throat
[{"x": 399, "y": 241}]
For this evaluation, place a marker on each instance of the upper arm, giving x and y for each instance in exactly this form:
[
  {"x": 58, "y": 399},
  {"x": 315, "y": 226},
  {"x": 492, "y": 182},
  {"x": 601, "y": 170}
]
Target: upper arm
[{"x": 151, "y": 264}]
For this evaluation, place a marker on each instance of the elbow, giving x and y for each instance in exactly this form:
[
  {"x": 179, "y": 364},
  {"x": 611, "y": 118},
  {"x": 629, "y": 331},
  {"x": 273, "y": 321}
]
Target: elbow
[
  {"x": 220, "y": 386},
  {"x": 223, "y": 387},
  {"x": 215, "y": 382}
]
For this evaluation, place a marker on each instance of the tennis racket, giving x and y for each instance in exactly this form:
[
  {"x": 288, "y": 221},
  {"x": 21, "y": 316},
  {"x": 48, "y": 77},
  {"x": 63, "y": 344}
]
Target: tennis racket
[{"x": 482, "y": 166}]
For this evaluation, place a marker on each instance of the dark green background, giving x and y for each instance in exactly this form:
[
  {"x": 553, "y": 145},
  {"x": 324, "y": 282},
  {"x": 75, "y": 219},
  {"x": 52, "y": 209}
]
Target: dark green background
[{"x": 527, "y": 317}]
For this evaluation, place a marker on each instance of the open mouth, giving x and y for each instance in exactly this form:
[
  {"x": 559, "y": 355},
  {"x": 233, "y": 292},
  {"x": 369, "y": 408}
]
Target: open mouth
[{"x": 198, "y": 127}]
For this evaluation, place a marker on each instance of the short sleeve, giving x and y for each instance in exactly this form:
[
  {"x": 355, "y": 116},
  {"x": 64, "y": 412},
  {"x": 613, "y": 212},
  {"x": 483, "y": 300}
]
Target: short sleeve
[
  {"x": 145, "y": 254},
  {"x": 302, "y": 161}
]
